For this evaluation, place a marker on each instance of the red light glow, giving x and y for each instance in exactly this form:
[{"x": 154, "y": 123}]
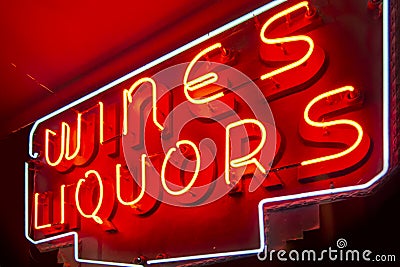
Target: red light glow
[{"x": 281, "y": 40}]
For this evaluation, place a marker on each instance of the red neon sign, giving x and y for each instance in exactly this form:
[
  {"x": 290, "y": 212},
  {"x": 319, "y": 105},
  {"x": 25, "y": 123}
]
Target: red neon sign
[
  {"x": 233, "y": 130},
  {"x": 283, "y": 40}
]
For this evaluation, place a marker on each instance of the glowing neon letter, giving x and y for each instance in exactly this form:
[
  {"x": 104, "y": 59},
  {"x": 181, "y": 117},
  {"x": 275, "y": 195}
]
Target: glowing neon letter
[
  {"x": 101, "y": 122},
  {"x": 93, "y": 215},
  {"x": 196, "y": 172},
  {"x": 332, "y": 123},
  {"x": 36, "y": 204},
  {"x": 249, "y": 158},
  {"x": 127, "y": 95},
  {"x": 286, "y": 40},
  {"x": 36, "y": 208},
  {"x": 64, "y": 142},
  {"x": 62, "y": 203},
  {"x": 118, "y": 183},
  {"x": 68, "y": 137},
  {"x": 46, "y": 146},
  {"x": 201, "y": 81}
]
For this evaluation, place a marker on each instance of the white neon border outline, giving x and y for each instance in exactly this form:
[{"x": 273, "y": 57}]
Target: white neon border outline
[{"x": 385, "y": 136}]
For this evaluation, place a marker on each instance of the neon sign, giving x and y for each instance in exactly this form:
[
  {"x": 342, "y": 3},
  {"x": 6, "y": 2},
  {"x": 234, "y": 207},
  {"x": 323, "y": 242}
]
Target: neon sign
[
  {"x": 283, "y": 40},
  {"x": 219, "y": 138}
]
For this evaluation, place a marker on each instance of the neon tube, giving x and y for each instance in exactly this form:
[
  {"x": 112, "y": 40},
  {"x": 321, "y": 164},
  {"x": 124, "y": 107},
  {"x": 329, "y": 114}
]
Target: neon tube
[
  {"x": 332, "y": 123},
  {"x": 68, "y": 137},
  {"x": 127, "y": 94},
  {"x": 64, "y": 235},
  {"x": 118, "y": 183},
  {"x": 36, "y": 214},
  {"x": 201, "y": 81},
  {"x": 262, "y": 236},
  {"x": 317, "y": 193},
  {"x": 286, "y": 40},
  {"x": 62, "y": 203},
  {"x": 101, "y": 122},
  {"x": 196, "y": 172},
  {"x": 149, "y": 65},
  {"x": 93, "y": 215},
  {"x": 249, "y": 158},
  {"x": 46, "y": 147}
]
